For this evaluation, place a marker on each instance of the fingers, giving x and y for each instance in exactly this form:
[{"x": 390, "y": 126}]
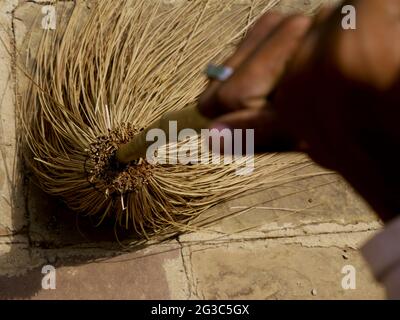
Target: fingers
[
  {"x": 260, "y": 71},
  {"x": 260, "y": 31},
  {"x": 307, "y": 49},
  {"x": 240, "y": 102},
  {"x": 269, "y": 135}
]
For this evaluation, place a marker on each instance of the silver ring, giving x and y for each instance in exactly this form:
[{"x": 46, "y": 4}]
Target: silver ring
[{"x": 218, "y": 72}]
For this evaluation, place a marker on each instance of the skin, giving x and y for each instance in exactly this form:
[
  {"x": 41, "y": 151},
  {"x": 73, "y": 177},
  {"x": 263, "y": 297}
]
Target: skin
[{"x": 309, "y": 85}]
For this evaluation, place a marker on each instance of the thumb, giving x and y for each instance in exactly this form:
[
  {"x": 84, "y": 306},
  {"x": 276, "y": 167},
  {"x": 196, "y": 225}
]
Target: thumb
[{"x": 269, "y": 133}]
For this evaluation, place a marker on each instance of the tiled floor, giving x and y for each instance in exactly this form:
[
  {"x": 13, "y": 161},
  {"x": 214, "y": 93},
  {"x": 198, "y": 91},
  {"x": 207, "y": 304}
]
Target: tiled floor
[{"x": 269, "y": 252}]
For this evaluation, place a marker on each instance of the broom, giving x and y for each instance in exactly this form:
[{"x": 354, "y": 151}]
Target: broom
[{"x": 99, "y": 83}]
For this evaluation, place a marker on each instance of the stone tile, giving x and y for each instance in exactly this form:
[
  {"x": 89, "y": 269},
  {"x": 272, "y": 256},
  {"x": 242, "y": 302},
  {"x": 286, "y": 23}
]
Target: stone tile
[
  {"x": 322, "y": 199},
  {"x": 272, "y": 270},
  {"x": 12, "y": 216},
  {"x": 152, "y": 273},
  {"x": 15, "y": 257},
  {"x": 53, "y": 225},
  {"x": 128, "y": 276}
]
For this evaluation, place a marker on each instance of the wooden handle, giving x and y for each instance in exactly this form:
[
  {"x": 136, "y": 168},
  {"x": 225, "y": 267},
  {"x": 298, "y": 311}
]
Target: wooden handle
[{"x": 188, "y": 117}]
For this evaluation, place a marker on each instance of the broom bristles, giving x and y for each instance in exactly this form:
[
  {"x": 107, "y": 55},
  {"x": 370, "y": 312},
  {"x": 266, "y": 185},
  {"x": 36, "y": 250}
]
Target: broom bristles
[{"x": 96, "y": 84}]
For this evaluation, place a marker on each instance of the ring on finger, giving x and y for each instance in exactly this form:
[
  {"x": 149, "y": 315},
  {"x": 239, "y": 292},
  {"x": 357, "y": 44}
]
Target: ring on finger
[{"x": 219, "y": 72}]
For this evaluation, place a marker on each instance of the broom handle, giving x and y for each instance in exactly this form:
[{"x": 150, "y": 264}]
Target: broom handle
[{"x": 188, "y": 117}]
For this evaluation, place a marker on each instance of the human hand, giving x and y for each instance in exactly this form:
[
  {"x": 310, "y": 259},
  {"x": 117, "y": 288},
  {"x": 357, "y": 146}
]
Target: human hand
[
  {"x": 259, "y": 63},
  {"x": 339, "y": 101}
]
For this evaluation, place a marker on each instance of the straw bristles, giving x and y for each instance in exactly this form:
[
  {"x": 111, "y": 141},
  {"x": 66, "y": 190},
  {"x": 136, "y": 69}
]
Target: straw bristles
[{"x": 96, "y": 83}]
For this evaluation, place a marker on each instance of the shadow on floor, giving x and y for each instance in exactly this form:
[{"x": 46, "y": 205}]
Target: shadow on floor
[{"x": 52, "y": 227}]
